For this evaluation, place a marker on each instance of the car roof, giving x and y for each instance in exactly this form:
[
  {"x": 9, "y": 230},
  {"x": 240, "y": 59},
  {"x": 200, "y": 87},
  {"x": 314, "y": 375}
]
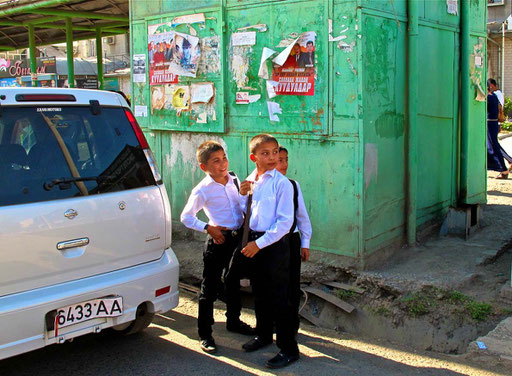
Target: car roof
[{"x": 82, "y": 96}]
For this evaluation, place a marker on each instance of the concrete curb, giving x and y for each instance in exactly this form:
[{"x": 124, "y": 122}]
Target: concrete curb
[{"x": 505, "y": 135}]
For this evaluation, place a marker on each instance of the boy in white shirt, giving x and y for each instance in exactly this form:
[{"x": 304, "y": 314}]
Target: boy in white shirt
[
  {"x": 299, "y": 244},
  {"x": 217, "y": 195},
  {"x": 270, "y": 221}
]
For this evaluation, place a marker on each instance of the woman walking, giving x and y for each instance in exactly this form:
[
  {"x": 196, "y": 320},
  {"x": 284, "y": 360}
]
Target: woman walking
[{"x": 495, "y": 159}]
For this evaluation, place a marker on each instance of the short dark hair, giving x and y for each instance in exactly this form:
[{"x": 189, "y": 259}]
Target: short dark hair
[
  {"x": 206, "y": 149},
  {"x": 310, "y": 42},
  {"x": 256, "y": 141},
  {"x": 282, "y": 148},
  {"x": 492, "y": 81}
]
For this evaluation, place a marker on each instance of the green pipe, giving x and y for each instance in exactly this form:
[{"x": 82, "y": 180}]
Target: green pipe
[
  {"x": 32, "y": 6},
  {"x": 412, "y": 117},
  {"x": 69, "y": 48},
  {"x": 464, "y": 108},
  {"x": 32, "y": 53},
  {"x": 117, "y": 27},
  {"x": 59, "y": 40},
  {"x": 72, "y": 13},
  {"x": 99, "y": 57},
  {"x": 42, "y": 20}
]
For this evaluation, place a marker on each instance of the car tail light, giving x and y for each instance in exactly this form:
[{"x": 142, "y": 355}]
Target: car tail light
[
  {"x": 145, "y": 146},
  {"x": 45, "y": 98},
  {"x": 163, "y": 290}
]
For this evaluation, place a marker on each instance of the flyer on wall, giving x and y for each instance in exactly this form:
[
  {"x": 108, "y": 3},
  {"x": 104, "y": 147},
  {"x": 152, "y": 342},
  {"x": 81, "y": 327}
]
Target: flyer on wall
[
  {"x": 160, "y": 44},
  {"x": 294, "y": 67}
]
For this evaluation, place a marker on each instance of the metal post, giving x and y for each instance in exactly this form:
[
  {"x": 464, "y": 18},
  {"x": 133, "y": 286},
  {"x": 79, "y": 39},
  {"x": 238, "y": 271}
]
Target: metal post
[
  {"x": 412, "y": 112},
  {"x": 32, "y": 54},
  {"x": 465, "y": 98},
  {"x": 69, "y": 48},
  {"x": 503, "y": 58},
  {"x": 99, "y": 57}
]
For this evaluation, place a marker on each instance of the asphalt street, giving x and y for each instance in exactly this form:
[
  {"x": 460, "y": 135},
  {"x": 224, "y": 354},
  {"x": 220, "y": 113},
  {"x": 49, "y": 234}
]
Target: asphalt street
[{"x": 170, "y": 347}]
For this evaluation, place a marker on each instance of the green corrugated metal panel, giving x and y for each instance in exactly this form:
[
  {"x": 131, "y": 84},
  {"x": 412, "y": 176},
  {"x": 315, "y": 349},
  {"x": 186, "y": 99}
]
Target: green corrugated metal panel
[{"x": 347, "y": 142}]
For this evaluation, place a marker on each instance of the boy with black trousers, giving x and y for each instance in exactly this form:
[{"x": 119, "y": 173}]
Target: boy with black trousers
[
  {"x": 299, "y": 243},
  {"x": 218, "y": 196},
  {"x": 270, "y": 220}
]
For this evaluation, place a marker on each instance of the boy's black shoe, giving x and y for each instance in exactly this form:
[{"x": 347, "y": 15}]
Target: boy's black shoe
[
  {"x": 240, "y": 327},
  {"x": 208, "y": 345},
  {"x": 255, "y": 344},
  {"x": 281, "y": 360}
]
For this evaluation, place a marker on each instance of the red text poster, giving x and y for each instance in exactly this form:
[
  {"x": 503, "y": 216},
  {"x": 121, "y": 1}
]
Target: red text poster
[{"x": 294, "y": 81}]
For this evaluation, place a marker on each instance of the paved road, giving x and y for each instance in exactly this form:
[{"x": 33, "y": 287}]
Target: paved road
[{"x": 170, "y": 347}]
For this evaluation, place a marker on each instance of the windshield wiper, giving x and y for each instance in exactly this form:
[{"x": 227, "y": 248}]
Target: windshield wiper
[{"x": 65, "y": 183}]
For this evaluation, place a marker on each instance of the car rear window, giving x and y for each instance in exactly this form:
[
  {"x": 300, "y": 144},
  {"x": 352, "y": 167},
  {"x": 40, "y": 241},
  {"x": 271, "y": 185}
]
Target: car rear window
[{"x": 50, "y": 153}]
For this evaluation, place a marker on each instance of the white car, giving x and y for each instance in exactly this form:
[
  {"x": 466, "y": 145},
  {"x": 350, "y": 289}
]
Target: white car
[{"x": 85, "y": 222}]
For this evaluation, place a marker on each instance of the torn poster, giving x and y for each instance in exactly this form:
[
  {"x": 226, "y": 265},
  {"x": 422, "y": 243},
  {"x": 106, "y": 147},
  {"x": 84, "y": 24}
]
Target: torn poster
[
  {"x": 254, "y": 98},
  {"x": 202, "y": 92},
  {"x": 240, "y": 65},
  {"x": 242, "y": 97},
  {"x": 210, "y": 60},
  {"x": 274, "y": 109},
  {"x": 451, "y": 7},
  {"x": 265, "y": 55},
  {"x": 160, "y": 44},
  {"x": 141, "y": 111},
  {"x": 202, "y": 118},
  {"x": 181, "y": 98},
  {"x": 157, "y": 98},
  {"x": 294, "y": 70},
  {"x": 260, "y": 27},
  {"x": 186, "y": 52},
  {"x": 271, "y": 88},
  {"x": 139, "y": 68},
  {"x": 188, "y": 19},
  {"x": 243, "y": 39}
]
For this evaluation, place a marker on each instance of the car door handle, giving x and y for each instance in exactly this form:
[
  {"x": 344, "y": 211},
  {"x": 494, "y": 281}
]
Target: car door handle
[{"x": 72, "y": 244}]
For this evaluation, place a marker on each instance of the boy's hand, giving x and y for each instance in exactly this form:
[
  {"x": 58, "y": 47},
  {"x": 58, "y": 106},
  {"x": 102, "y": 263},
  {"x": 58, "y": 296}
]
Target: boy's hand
[
  {"x": 216, "y": 234},
  {"x": 250, "y": 250},
  {"x": 304, "y": 254},
  {"x": 245, "y": 187}
]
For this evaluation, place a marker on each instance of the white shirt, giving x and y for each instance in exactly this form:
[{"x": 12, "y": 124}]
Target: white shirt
[
  {"x": 272, "y": 206},
  {"x": 500, "y": 96},
  {"x": 221, "y": 204},
  {"x": 303, "y": 222}
]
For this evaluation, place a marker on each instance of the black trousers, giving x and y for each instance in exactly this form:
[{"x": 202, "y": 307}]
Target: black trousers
[
  {"x": 270, "y": 277},
  {"x": 216, "y": 258},
  {"x": 295, "y": 262}
]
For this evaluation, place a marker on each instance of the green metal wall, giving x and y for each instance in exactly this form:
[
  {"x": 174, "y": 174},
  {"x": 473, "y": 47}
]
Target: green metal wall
[{"x": 347, "y": 142}]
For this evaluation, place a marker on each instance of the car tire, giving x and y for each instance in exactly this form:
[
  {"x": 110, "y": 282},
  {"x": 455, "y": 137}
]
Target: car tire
[{"x": 142, "y": 320}]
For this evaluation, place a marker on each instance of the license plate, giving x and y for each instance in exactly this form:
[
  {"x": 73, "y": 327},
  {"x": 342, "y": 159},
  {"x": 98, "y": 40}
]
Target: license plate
[{"x": 91, "y": 309}]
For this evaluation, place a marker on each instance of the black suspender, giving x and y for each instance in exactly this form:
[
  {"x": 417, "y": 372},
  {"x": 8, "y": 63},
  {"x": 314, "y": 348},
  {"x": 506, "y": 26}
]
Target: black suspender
[
  {"x": 295, "y": 203},
  {"x": 235, "y": 180}
]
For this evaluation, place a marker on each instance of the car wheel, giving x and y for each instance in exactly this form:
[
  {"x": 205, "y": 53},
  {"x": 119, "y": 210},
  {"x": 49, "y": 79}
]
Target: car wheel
[{"x": 142, "y": 320}]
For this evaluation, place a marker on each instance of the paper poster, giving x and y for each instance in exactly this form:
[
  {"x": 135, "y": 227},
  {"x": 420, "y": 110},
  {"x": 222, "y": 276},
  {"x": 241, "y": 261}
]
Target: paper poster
[
  {"x": 158, "y": 98},
  {"x": 141, "y": 111},
  {"x": 202, "y": 118},
  {"x": 171, "y": 54},
  {"x": 242, "y": 97},
  {"x": 451, "y": 6},
  {"x": 294, "y": 68},
  {"x": 139, "y": 68},
  {"x": 265, "y": 55},
  {"x": 181, "y": 98},
  {"x": 243, "y": 39},
  {"x": 188, "y": 19},
  {"x": 201, "y": 92},
  {"x": 274, "y": 109},
  {"x": 271, "y": 88},
  {"x": 160, "y": 45},
  {"x": 254, "y": 98},
  {"x": 186, "y": 53}
]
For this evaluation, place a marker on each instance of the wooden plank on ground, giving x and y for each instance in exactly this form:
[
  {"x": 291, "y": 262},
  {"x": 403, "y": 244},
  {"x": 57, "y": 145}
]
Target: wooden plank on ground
[
  {"x": 330, "y": 298},
  {"x": 312, "y": 319},
  {"x": 343, "y": 286}
]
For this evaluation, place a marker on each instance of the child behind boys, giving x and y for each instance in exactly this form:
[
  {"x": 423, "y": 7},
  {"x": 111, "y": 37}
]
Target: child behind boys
[
  {"x": 299, "y": 244},
  {"x": 217, "y": 194},
  {"x": 270, "y": 221}
]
